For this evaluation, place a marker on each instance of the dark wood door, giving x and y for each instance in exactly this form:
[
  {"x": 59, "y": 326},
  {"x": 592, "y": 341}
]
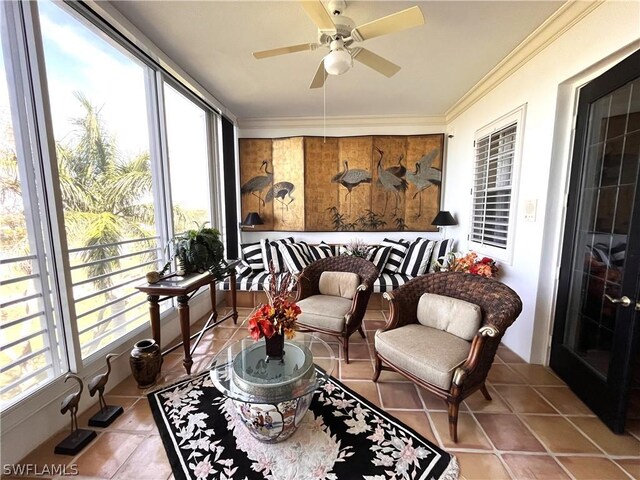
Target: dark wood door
[{"x": 597, "y": 325}]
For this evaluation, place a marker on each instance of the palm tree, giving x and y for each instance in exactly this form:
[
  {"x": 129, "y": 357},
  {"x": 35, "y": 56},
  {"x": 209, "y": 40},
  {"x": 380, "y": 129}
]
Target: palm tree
[{"x": 106, "y": 199}]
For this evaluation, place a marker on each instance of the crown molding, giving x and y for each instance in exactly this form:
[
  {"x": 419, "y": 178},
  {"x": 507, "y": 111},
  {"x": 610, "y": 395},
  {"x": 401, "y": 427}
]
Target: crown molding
[
  {"x": 562, "y": 20},
  {"x": 346, "y": 121}
]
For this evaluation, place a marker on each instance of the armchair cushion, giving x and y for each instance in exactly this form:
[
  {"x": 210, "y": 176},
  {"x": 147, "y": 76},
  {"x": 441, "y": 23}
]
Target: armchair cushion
[
  {"x": 428, "y": 353},
  {"x": 449, "y": 314},
  {"x": 339, "y": 284},
  {"x": 324, "y": 311}
]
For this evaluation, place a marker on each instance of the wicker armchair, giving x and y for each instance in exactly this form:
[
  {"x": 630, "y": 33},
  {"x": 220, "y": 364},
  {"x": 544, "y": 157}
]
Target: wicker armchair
[
  {"x": 499, "y": 307},
  {"x": 347, "y": 322}
]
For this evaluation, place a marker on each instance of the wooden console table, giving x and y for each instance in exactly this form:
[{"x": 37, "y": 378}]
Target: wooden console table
[{"x": 184, "y": 288}]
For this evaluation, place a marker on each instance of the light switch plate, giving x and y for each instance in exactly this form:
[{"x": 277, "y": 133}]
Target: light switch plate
[{"x": 530, "y": 210}]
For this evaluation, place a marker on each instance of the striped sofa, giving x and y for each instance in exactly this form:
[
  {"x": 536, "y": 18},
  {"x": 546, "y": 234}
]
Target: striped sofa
[{"x": 251, "y": 275}]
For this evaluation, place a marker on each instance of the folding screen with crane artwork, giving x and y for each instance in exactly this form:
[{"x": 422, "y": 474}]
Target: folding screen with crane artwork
[{"x": 369, "y": 183}]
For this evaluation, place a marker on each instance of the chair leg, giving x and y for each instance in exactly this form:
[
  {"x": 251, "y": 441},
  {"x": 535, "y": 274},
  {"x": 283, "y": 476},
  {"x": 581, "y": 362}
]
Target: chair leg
[
  {"x": 378, "y": 368},
  {"x": 361, "y": 330},
  {"x": 453, "y": 421},
  {"x": 345, "y": 349},
  {"x": 485, "y": 392}
]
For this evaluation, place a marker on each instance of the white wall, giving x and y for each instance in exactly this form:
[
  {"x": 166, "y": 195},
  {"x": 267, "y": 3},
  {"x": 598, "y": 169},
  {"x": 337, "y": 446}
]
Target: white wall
[
  {"x": 597, "y": 42},
  {"x": 340, "y": 128}
]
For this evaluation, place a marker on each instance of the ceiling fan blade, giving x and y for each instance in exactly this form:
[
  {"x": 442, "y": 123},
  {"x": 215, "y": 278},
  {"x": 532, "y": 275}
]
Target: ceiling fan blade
[
  {"x": 396, "y": 22},
  {"x": 284, "y": 50},
  {"x": 317, "y": 13},
  {"x": 319, "y": 77},
  {"x": 379, "y": 64}
]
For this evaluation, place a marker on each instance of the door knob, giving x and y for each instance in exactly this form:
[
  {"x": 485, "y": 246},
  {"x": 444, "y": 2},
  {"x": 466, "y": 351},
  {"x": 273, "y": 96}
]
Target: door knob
[{"x": 624, "y": 301}]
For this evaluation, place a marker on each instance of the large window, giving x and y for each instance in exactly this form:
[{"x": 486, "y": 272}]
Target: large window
[
  {"x": 496, "y": 154},
  {"x": 99, "y": 113},
  {"x": 188, "y": 160},
  {"x": 30, "y": 354},
  {"x": 92, "y": 188}
]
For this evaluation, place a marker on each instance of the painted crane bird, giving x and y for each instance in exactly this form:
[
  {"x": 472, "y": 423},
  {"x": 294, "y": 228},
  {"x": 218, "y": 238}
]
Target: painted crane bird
[
  {"x": 350, "y": 179},
  {"x": 424, "y": 176},
  {"x": 70, "y": 403},
  {"x": 391, "y": 181},
  {"x": 257, "y": 184},
  {"x": 97, "y": 383},
  {"x": 277, "y": 194}
]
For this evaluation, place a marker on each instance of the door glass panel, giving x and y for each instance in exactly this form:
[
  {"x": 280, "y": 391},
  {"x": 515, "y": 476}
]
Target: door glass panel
[
  {"x": 630, "y": 158},
  {"x": 604, "y": 216}
]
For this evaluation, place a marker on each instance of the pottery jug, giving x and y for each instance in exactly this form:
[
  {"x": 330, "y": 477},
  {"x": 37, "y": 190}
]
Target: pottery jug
[{"x": 145, "y": 361}]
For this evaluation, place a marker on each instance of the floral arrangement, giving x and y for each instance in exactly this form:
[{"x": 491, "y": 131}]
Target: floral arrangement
[
  {"x": 469, "y": 263},
  {"x": 279, "y": 317},
  {"x": 355, "y": 248}
]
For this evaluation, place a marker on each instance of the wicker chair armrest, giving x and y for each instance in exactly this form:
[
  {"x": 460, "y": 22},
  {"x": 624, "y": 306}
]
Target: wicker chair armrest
[
  {"x": 358, "y": 306},
  {"x": 305, "y": 288},
  {"x": 478, "y": 344},
  {"x": 403, "y": 309}
]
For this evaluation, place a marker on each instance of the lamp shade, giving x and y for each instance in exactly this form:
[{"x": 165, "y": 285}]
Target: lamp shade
[
  {"x": 337, "y": 62},
  {"x": 444, "y": 219},
  {"x": 252, "y": 219}
]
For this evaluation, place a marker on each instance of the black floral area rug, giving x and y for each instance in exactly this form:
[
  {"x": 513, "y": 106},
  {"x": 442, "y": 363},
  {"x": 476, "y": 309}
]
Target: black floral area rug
[{"x": 342, "y": 437}]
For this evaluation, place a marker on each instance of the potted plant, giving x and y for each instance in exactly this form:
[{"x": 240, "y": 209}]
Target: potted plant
[{"x": 200, "y": 250}]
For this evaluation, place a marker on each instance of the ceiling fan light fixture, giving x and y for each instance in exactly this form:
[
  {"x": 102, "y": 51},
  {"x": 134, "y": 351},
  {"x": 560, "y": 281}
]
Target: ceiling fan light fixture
[{"x": 338, "y": 62}]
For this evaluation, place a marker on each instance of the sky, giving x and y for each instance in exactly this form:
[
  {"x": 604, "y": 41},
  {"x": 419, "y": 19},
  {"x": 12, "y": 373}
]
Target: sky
[{"x": 81, "y": 59}]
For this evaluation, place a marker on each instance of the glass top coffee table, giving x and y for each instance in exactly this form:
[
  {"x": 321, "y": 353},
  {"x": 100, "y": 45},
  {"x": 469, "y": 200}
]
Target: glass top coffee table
[{"x": 271, "y": 397}]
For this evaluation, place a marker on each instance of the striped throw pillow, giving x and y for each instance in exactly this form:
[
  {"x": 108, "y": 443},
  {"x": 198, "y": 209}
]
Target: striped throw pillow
[
  {"x": 440, "y": 249},
  {"x": 252, "y": 256},
  {"x": 416, "y": 260},
  {"x": 378, "y": 255},
  {"x": 296, "y": 256},
  {"x": 398, "y": 251},
  {"x": 321, "y": 251},
  {"x": 271, "y": 253}
]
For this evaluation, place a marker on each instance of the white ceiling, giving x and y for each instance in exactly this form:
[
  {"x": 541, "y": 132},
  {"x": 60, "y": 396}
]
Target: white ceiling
[{"x": 213, "y": 41}]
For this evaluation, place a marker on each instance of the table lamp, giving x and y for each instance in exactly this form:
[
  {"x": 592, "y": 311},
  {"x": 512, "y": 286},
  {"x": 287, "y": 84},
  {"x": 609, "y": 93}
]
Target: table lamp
[
  {"x": 252, "y": 219},
  {"x": 444, "y": 219}
]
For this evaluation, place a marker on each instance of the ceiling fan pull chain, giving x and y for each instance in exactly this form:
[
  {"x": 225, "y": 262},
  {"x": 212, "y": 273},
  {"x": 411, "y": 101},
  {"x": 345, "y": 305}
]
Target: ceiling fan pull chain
[{"x": 324, "y": 112}]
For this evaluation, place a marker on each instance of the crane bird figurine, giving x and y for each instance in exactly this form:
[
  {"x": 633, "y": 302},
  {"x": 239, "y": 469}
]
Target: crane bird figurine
[
  {"x": 71, "y": 401},
  {"x": 107, "y": 413},
  {"x": 78, "y": 438}
]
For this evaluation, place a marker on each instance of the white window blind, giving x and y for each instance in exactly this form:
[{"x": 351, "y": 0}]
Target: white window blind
[{"x": 492, "y": 187}]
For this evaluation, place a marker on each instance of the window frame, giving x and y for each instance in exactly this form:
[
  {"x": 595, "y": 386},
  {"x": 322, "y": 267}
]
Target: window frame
[{"x": 515, "y": 117}]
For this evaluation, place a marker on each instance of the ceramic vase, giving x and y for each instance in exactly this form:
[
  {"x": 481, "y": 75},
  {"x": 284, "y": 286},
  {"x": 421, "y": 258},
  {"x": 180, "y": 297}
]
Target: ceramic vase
[
  {"x": 275, "y": 347},
  {"x": 145, "y": 361}
]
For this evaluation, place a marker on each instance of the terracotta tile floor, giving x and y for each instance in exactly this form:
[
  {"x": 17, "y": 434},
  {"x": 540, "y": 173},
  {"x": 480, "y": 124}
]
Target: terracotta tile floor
[{"x": 535, "y": 427}]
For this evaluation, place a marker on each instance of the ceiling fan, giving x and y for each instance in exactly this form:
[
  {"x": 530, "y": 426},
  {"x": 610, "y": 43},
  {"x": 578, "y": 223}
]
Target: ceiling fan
[{"x": 338, "y": 33}]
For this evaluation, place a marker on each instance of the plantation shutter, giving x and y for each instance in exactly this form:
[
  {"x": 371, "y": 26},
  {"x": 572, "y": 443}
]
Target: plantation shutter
[{"x": 492, "y": 182}]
